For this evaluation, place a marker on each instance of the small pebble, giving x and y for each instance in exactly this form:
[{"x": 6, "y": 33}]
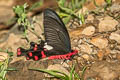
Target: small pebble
[
  {"x": 85, "y": 48},
  {"x": 115, "y": 36},
  {"x": 86, "y": 57},
  {"x": 100, "y": 42},
  {"x": 89, "y": 30}
]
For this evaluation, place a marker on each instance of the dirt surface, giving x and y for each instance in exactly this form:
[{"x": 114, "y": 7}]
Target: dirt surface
[{"x": 98, "y": 43}]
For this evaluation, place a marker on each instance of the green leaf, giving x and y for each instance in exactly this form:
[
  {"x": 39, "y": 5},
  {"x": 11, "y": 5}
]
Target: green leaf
[
  {"x": 83, "y": 71},
  {"x": 51, "y": 72},
  {"x": 73, "y": 5},
  {"x": 2, "y": 69},
  {"x": 71, "y": 72},
  {"x": 81, "y": 16},
  {"x": 1, "y": 63},
  {"x": 18, "y": 10},
  {"x": 76, "y": 76},
  {"x": 62, "y": 3},
  {"x": 36, "y": 5},
  {"x": 11, "y": 69},
  {"x": 109, "y": 2},
  {"x": 63, "y": 15},
  {"x": 25, "y": 6},
  {"x": 67, "y": 10},
  {"x": 67, "y": 19},
  {"x": 10, "y": 54},
  {"x": 76, "y": 3},
  {"x": 95, "y": 3},
  {"x": 19, "y": 21},
  {"x": 67, "y": 77}
]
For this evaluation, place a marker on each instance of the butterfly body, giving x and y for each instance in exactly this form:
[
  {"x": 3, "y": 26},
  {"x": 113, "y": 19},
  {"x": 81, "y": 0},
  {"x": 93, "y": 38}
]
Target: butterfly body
[{"x": 56, "y": 38}]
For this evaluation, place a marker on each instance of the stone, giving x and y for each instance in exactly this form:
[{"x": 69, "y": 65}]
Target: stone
[
  {"x": 85, "y": 48},
  {"x": 99, "y": 42},
  {"x": 75, "y": 40},
  {"x": 118, "y": 56},
  {"x": 102, "y": 53},
  {"x": 115, "y": 7},
  {"x": 104, "y": 70},
  {"x": 76, "y": 48},
  {"x": 65, "y": 64},
  {"x": 86, "y": 56},
  {"x": 89, "y": 30},
  {"x": 115, "y": 36},
  {"x": 107, "y": 24},
  {"x": 32, "y": 37},
  {"x": 13, "y": 42},
  {"x": 3, "y": 56},
  {"x": 90, "y": 18},
  {"x": 80, "y": 41},
  {"x": 83, "y": 10},
  {"x": 6, "y": 11}
]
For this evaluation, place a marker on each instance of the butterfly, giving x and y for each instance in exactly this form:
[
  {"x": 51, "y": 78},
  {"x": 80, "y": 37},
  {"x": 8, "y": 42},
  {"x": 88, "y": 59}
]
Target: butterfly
[{"x": 57, "y": 43}]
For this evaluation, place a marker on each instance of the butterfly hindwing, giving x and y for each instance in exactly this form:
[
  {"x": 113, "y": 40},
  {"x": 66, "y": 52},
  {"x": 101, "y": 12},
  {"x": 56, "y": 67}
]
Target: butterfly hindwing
[{"x": 56, "y": 34}]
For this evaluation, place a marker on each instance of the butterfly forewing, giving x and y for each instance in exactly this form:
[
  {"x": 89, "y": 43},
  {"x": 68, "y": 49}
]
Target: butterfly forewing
[{"x": 56, "y": 34}]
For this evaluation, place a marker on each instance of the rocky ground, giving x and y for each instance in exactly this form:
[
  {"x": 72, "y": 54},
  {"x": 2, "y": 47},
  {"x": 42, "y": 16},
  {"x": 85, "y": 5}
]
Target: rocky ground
[{"x": 98, "y": 43}]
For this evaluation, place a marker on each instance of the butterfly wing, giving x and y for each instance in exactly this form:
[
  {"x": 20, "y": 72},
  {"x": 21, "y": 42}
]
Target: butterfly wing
[{"x": 56, "y": 34}]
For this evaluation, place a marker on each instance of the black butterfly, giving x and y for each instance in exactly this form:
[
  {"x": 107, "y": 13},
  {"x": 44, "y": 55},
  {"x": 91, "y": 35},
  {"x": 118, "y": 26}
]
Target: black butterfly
[{"x": 56, "y": 37}]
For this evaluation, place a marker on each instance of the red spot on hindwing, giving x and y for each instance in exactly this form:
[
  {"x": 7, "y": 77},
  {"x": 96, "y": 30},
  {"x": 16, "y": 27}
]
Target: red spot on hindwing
[
  {"x": 27, "y": 58},
  {"x": 19, "y": 53},
  {"x": 43, "y": 54},
  {"x": 30, "y": 54},
  {"x": 36, "y": 58},
  {"x": 18, "y": 49},
  {"x": 35, "y": 48}
]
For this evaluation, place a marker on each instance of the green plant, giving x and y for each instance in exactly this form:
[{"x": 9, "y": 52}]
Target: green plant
[
  {"x": 62, "y": 76},
  {"x": 71, "y": 10},
  {"x": 22, "y": 19},
  {"x": 95, "y": 3},
  {"x": 83, "y": 71},
  {"x": 36, "y": 5},
  {"x": 6, "y": 51},
  {"x": 109, "y": 2},
  {"x": 22, "y": 16},
  {"x": 54, "y": 73},
  {"x": 3, "y": 67},
  {"x": 4, "y": 64},
  {"x": 57, "y": 74}
]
